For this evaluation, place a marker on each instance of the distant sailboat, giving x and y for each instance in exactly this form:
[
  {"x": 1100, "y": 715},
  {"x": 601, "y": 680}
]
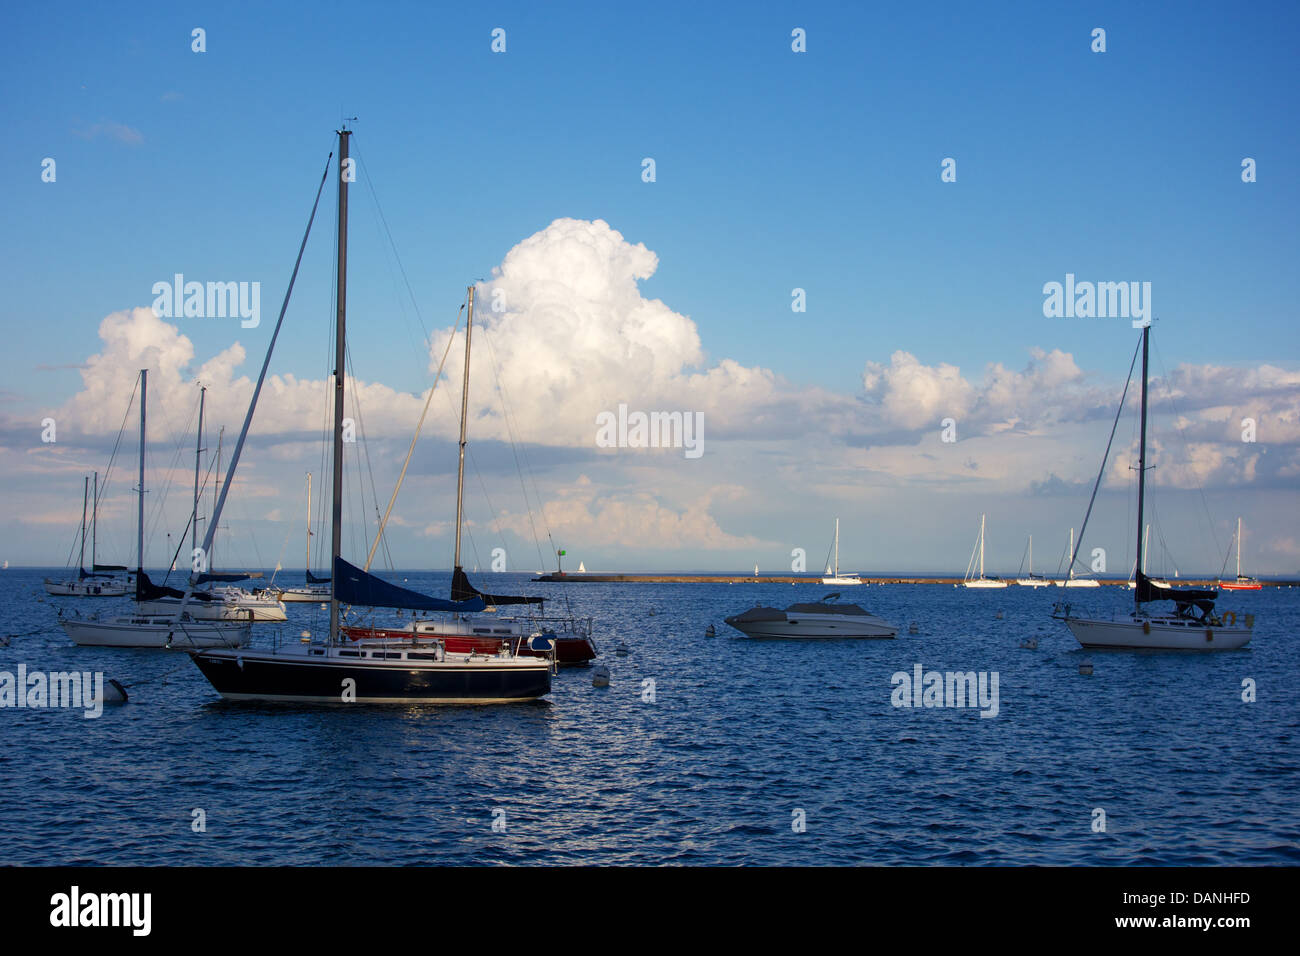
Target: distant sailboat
[
  {"x": 837, "y": 578},
  {"x": 316, "y": 589},
  {"x": 88, "y": 583},
  {"x": 582, "y": 568},
  {"x": 1242, "y": 583},
  {"x": 1070, "y": 581},
  {"x": 1033, "y": 580},
  {"x": 981, "y": 581}
]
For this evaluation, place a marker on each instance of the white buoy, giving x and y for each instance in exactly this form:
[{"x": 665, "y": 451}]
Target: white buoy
[
  {"x": 1085, "y": 668},
  {"x": 600, "y": 676},
  {"x": 114, "y": 693}
]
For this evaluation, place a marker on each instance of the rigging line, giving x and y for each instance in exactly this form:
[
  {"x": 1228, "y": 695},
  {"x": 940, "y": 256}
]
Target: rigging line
[
  {"x": 496, "y": 518},
  {"x": 414, "y": 438},
  {"x": 103, "y": 485},
  {"x": 514, "y": 449},
  {"x": 1187, "y": 452},
  {"x": 1101, "y": 472},
  {"x": 158, "y": 515},
  {"x": 369, "y": 181},
  {"x": 215, "y": 518},
  {"x": 365, "y": 450}
]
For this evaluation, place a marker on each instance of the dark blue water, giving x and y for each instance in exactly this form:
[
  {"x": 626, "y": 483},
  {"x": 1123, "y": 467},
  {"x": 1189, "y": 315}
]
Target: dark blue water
[{"x": 739, "y": 736}]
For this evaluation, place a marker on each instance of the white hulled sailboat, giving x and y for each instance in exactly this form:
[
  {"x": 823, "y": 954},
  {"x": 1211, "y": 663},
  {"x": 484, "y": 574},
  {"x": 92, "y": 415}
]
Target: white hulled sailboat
[
  {"x": 1194, "y": 623},
  {"x": 969, "y": 581}
]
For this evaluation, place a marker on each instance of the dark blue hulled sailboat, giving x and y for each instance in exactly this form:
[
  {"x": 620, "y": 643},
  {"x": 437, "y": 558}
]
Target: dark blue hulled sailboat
[{"x": 415, "y": 670}]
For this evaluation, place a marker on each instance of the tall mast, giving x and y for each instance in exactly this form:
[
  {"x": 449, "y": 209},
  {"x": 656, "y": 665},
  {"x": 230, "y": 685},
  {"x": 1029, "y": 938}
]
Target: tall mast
[
  {"x": 464, "y": 410},
  {"x": 340, "y": 345},
  {"x": 198, "y": 453},
  {"x": 216, "y": 487},
  {"x": 1238, "y": 547},
  {"x": 1070, "y": 575},
  {"x": 1031, "y": 555},
  {"x": 94, "y": 521},
  {"x": 85, "y": 492},
  {"x": 308, "y": 564},
  {"x": 139, "y": 523},
  {"x": 1142, "y": 465},
  {"x": 981, "y": 547},
  {"x": 837, "y": 547}
]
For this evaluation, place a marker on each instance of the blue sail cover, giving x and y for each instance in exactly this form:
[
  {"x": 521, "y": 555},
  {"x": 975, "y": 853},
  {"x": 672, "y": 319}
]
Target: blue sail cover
[
  {"x": 354, "y": 586},
  {"x": 312, "y": 579}
]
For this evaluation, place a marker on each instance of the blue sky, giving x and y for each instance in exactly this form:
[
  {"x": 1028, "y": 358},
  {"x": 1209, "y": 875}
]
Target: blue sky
[{"x": 775, "y": 170}]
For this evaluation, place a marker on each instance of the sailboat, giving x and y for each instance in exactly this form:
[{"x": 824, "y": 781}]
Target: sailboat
[
  {"x": 316, "y": 590},
  {"x": 176, "y": 627},
  {"x": 1242, "y": 582},
  {"x": 1033, "y": 580},
  {"x": 222, "y": 601},
  {"x": 582, "y": 568},
  {"x": 845, "y": 579},
  {"x": 1070, "y": 581},
  {"x": 569, "y": 639},
  {"x": 89, "y": 583},
  {"x": 980, "y": 582},
  {"x": 417, "y": 670},
  {"x": 1194, "y": 623}
]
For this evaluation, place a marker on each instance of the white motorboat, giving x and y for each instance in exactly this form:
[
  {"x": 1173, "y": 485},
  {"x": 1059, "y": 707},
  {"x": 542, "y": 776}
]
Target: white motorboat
[
  {"x": 970, "y": 580},
  {"x": 1194, "y": 623},
  {"x": 836, "y": 578},
  {"x": 822, "y": 620}
]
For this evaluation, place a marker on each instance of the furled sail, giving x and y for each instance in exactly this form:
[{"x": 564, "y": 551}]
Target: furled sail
[
  {"x": 462, "y": 590},
  {"x": 146, "y": 590},
  {"x": 1202, "y": 598},
  {"x": 355, "y": 586}
]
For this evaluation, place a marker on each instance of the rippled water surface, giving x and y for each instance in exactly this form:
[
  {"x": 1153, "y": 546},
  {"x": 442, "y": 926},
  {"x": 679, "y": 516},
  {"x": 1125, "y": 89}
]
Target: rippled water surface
[{"x": 738, "y": 737}]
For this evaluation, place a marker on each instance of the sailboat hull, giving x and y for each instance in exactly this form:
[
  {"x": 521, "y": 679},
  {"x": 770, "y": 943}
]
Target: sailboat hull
[
  {"x": 317, "y": 675},
  {"x": 1157, "y": 634},
  {"x": 84, "y": 589},
  {"x": 984, "y": 583},
  {"x": 305, "y": 595},
  {"x": 569, "y": 649},
  {"x": 156, "y": 633}
]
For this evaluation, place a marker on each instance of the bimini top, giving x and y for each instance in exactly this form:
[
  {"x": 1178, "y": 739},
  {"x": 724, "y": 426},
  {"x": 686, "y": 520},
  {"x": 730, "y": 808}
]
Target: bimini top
[
  {"x": 821, "y": 607},
  {"x": 757, "y": 614}
]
